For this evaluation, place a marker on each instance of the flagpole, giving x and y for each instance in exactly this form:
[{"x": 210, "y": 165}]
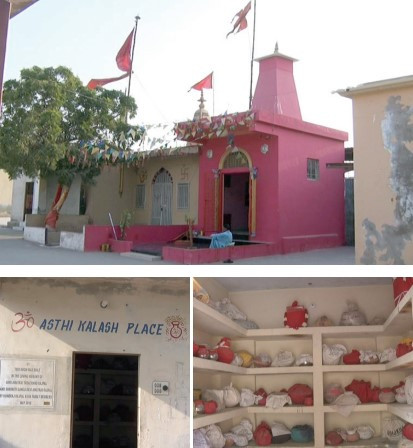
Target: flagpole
[
  {"x": 122, "y": 167},
  {"x": 252, "y": 53},
  {"x": 137, "y": 18}
]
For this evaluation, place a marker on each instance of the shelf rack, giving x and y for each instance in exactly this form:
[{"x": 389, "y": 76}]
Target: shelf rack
[{"x": 399, "y": 323}]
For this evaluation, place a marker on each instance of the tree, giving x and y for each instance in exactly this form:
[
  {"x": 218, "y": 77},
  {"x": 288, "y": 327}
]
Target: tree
[{"x": 52, "y": 125}]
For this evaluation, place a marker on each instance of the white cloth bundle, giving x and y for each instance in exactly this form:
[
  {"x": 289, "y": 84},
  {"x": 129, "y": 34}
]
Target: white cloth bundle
[
  {"x": 230, "y": 310},
  {"x": 244, "y": 429},
  {"x": 283, "y": 359},
  {"x": 239, "y": 440},
  {"x": 365, "y": 432},
  {"x": 345, "y": 403},
  {"x": 387, "y": 355},
  {"x": 248, "y": 398},
  {"x": 333, "y": 353},
  {"x": 232, "y": 396},
  {"x": 278, "y": 400},
  {"x": 215, "y": 436},
  {"x": 369, "y": 357},
  {"x": 200, "y": 439},
  {"x": 408, "y": 389},
  {"x": 392, "y": 428}
]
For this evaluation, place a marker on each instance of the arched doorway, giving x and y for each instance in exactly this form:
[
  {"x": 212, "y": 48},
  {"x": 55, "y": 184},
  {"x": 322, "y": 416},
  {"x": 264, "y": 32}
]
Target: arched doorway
[
  {"x": 235, "y": 194},
  {"x": 162, "y": 198}
]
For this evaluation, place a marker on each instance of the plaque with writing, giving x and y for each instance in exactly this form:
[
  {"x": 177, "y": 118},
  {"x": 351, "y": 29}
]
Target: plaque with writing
[{"x": 27, "y": 383}]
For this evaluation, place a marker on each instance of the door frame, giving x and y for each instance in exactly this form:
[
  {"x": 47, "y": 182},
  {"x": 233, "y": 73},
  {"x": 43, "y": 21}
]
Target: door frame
[{"x": 219, "y": 191}]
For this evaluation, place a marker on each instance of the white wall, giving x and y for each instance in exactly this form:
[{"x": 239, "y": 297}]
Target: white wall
[
  {"x": 19, "y": 189},
  {"x": 164, "y": 420}
]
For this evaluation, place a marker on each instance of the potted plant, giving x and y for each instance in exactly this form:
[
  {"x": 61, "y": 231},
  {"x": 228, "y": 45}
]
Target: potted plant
[{"x": 125, "y": 221}]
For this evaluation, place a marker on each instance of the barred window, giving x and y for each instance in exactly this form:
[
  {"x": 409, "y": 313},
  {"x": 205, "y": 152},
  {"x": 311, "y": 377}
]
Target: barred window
[
  {"x": 183, "y": 196},
  {"x": 313, "y": 169},
  {"x": 140, "y": 196}
]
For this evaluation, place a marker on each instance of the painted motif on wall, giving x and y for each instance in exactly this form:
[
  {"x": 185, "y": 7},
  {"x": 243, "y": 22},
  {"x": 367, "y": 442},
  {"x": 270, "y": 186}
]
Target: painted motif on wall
[
  {"x": 173, "y": 328},
  {"x": 387, "y": 245},
  {"x": 176, "y": 329}
]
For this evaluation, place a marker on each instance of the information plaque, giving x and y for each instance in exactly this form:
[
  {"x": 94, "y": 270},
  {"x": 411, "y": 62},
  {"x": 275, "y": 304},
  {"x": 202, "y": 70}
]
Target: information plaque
[{"x": 28, "y": 383}]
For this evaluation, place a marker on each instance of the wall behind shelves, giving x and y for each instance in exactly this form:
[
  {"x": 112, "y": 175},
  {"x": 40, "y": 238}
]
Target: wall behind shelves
[{"x": 267, "y": 307}]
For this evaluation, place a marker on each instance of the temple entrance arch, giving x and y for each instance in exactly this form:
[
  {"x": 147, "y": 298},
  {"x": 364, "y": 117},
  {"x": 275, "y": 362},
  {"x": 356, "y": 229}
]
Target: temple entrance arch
[{"x": 235, "y": 194}]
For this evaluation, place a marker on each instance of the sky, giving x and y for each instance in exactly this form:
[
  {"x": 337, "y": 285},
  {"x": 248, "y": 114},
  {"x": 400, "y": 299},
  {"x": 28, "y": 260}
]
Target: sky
[{"x": 337, "y": 43}]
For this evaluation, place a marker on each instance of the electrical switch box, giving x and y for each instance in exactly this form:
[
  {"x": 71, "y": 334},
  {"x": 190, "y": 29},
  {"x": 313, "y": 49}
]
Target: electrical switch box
[{"x": 160, "y": 388}]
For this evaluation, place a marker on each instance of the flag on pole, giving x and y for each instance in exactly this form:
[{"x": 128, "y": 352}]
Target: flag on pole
[
  {"x": 241, "y": 23},
  {"x": 123, "y": 58},
  {"x": 123, "y": 61},
  {"x": 205, "y": 83},
  {"x": 93, "y": 83}
]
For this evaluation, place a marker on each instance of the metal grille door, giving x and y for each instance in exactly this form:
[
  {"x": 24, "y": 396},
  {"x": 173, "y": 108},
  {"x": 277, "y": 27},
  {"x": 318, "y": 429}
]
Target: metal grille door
[{"x": 162, "y": 199}]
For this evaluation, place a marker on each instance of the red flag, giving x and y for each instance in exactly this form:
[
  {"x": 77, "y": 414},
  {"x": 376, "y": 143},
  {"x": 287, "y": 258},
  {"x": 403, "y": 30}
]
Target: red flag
[
  {"x": 93, "y": 83},
  {"x": 206, "y": 83},
  {"x": 123, "y": 58},
  {"x": 241, "y": 22}
]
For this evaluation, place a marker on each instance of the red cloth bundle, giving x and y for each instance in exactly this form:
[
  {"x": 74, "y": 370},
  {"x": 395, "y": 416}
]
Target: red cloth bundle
[
  {"x": 263, "y": 434},
  {"x": 299, "y": 392},
  {"x": 361, "y": 388},
  {"x": 296, "y": 316}
]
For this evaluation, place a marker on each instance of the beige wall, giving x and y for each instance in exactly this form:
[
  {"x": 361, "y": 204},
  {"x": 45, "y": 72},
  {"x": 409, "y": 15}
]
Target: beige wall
[
  {"x": 6, "y": 187},
  {"x": 103, "y": 197},
  {"x": 383, "y": 160},
  {"x": 267, "y": 307},
  {"x": 163, "y": 420}
]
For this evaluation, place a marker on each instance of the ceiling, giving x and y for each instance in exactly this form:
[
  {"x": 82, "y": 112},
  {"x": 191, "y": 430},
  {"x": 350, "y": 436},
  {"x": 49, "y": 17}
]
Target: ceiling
[
  {"x": 18, "y": 6},
  {"x": 265, "y": 283}
]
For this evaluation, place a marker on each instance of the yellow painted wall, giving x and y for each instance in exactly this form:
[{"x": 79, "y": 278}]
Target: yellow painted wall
[
  {"x": 103, "y": 197},
  {"x": 182, "y": 169},
  {"x": 381, "y": 177}
]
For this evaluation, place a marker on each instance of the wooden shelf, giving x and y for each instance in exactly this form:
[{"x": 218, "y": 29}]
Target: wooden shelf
[
  {"x": 288, "y": 444},
  {"x": 211, "y": 321},
  {"x": 355, "y": 368},
  {"x": 375, "y": 442},
  {"x": 226, "y": 414},
  {"x": 207, "y": 365},
  {"x": 368, "y": 407},
  {"x": 404, "y": 362},
  {"x": 215, "y": 367},
  {"x": 404, "y": 411},
  {"x": 284, "y": 410}
]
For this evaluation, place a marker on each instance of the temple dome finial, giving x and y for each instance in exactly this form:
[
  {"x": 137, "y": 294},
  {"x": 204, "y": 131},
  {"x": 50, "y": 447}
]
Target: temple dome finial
[{"x": 202, "y": 113}]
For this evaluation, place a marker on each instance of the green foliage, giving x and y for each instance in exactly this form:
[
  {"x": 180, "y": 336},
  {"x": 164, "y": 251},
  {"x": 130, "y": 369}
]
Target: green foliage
[
  {"x": 49, "y": 117},
  {"x": 125, "y": 222}
]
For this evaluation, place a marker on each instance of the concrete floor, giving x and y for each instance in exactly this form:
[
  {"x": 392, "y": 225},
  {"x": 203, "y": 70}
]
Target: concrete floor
[{"x": 16, "y": 251}]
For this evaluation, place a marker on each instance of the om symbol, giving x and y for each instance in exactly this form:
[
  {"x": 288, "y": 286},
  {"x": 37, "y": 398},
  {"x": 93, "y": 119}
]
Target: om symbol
[{"x": 22, "y": 320}]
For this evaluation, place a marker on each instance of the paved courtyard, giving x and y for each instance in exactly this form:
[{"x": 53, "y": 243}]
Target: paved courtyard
[{"x": 16, "y": 251}]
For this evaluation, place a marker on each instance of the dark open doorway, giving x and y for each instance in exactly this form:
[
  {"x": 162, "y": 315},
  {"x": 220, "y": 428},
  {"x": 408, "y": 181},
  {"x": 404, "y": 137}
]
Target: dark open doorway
[
  {"x": 105, "y": 401},
  {"x": 28, "y": 199},
  {"x": 236, "y": 198}
]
